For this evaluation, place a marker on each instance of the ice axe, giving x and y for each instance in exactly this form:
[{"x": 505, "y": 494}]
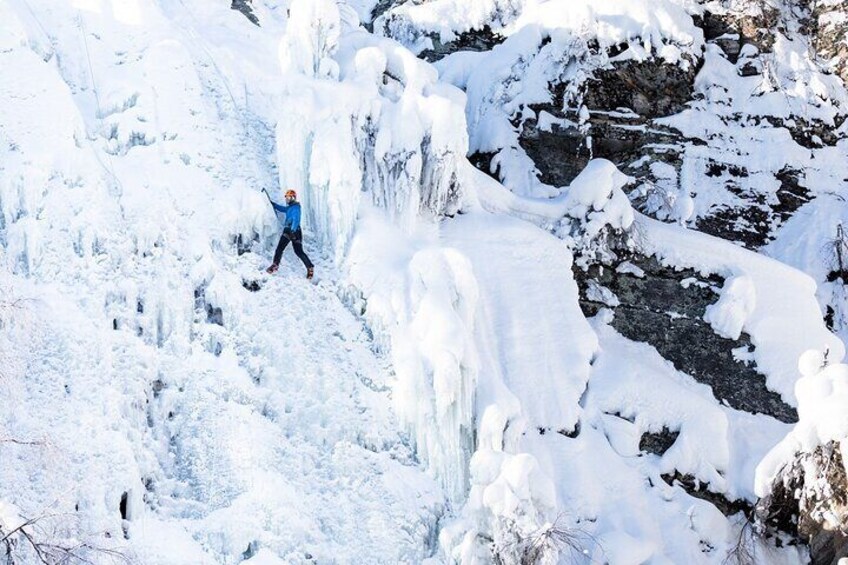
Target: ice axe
[{"x": 268, "y": 196}]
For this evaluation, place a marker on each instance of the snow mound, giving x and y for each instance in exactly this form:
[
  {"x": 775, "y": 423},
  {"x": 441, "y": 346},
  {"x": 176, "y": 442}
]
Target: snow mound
[
  {"x": 737, "y": 302},
  {"x": 662, "y": 26},
  {"x": 822, "y": 392}
]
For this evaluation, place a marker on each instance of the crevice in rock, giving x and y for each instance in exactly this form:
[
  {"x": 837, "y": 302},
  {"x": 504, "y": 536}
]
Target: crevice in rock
[
  {"x": 246, "y": 9},
  {"x": 572, "y": 433},
  {"x": 483, "y": 162},
  {"x": 791, "y": 195},
  {"x": 252, "y": 286},
  {"x": 122, "y": 506},
  {"x": 483, "y": 39},
  {"x": 747, "y": 225},
  {"x": 243, "y": 244},
  {"x": 701, "y": 490},
  {"x": 658, "y": 442},
  {"x": 214, "y": 314}
]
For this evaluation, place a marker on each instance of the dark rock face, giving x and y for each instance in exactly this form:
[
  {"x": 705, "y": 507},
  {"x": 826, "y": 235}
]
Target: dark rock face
[
  {"x": 658, "y": 443},
  {"x": 702, "y": 490},
  {"x": 633, "y": 143},
  {"x": 791, "y": 194},
  {"x": 830, "y": 37},
  {"x": 746, "y": 225},
  {"x": 732, "y": 31},
  {"x": 720, "y": 31},
  {"x": 754, "y": 223},
  {"x": 808, "y": 491},
  {"x": 652, "y": 89},
  {"x": 382, "y": 7},
  {"x": 482, "y": 161},
  {"x": 245, "y": 7},
  {"x": 809, "y": 134},
  {"x": 561, "y": 153},
  {"x": 827, "y": 547},
  {"x": 714, "y": 26},
  {"x": 657, "y": 309},
  {"x": 475, "y": 40},
  {"x": 624, "y": 103}
]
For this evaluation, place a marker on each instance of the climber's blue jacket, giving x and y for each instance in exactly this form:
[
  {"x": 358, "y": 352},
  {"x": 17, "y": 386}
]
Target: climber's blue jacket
[{"x": 292, "y": 212}]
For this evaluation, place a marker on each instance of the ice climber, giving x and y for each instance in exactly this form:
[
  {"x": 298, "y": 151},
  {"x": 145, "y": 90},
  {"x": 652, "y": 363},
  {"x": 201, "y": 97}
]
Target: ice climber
[{"x": 291, "y": 232}]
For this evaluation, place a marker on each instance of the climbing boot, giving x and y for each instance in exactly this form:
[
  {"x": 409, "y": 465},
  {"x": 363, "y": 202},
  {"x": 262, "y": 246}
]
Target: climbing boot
[
  {"x": 310, "y": 271},
  {"x": 272, "y": 269}
]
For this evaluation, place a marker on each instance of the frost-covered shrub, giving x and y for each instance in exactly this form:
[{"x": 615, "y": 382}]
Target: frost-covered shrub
[
  {"x": 803, "y": 482},
  {"x": 549, "y": 545},
  {"x": 836, "y": 255},
  {"x": 47, "y": 539},
  {"x": 810, "y": 495},
  {"x": 511, "y": 504},
  {"x": 598, "y": 213},
  {"x": 665, "y": 199}
]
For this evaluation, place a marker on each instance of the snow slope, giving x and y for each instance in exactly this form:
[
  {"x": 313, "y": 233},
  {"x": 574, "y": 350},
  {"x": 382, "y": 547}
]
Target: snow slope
[
  {"x": 229, "y": 420},
  {"x": 283, "y": 441}
]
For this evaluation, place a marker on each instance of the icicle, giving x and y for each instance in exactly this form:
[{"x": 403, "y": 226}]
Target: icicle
[{"x": 312, "y": 38}]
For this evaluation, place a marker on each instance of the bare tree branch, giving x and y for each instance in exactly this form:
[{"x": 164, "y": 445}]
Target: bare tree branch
[
  {"x": 49, "y": 549},
  {"x": 39, "y": 443},
  {"x": 547, "y": 543}
]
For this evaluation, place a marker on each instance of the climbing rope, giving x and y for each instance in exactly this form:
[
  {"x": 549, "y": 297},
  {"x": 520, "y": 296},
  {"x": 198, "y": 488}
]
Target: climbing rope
[
  {"x": 39, "y": 24},
  {"x": 238, "y": 110},
  {"x": 99, "y": 115}
]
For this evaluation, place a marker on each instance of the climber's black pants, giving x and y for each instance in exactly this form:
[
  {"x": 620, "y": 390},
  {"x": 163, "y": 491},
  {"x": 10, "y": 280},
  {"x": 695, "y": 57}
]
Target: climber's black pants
[{"x": 296, "y": 238}]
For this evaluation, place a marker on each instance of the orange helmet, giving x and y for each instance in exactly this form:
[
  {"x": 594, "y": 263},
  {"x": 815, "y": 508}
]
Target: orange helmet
[{"x": 291, "y": 193}]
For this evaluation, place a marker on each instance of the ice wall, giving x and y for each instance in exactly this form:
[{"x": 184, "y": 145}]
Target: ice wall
[
  {"x": 181, "y": 417},
  {"x": 377, "y": 145},
  {"x": 376, "y": 126}
]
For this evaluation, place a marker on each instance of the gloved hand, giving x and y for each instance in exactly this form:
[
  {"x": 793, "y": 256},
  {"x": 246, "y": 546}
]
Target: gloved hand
[{"x": 288, "y": 233}]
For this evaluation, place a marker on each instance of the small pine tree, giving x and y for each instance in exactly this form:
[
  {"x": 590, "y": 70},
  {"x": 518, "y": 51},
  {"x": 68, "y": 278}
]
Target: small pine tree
[{"x": 836, "y": 250}]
